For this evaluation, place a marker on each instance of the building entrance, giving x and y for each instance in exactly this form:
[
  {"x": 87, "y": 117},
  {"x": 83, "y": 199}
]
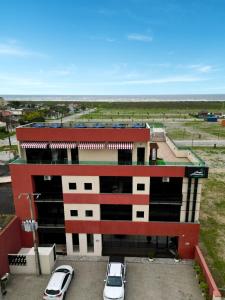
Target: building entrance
[{"x": 131, "y": 245}]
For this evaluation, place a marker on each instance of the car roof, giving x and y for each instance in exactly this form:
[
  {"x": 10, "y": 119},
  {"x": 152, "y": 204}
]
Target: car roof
[
  {"x": 56, "y": 281},
  {"x": 115, "y": 269}
]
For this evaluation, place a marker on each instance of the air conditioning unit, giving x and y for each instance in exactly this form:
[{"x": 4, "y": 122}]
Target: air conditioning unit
[
  {"x": 165, "y": 179},
  {"x": 47, "y": 177}
]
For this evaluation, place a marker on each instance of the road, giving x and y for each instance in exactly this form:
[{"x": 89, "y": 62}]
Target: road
[
  {"x": 74, "y": 116},
  {"x": 204, "y": 143}
]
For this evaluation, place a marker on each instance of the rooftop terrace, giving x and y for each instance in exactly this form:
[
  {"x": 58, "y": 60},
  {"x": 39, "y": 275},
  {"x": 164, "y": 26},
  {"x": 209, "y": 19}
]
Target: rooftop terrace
[{"x": 85, "y": 125}]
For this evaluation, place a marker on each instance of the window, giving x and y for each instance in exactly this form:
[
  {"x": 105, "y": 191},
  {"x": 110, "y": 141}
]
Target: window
[
  {"x": 88, "y": 186},
  {"x": 140, "y": 214},
  {"x": 88, "y": 213},
  {"x": 65, "y": 280},
  {"x": 140, "y": 187},
  {"x": 74, "y": 213},
  {"x": 72, "y": 185}
]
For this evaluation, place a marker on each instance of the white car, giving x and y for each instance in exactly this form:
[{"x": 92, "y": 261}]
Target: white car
[
  {"x": 115, "y": 280},
  {"x": 59, "y": 283}
]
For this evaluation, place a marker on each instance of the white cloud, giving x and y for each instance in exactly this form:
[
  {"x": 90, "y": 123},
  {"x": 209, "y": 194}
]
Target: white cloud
[
  {"x": 201, "y": 68},
  {"x": 173, "y": 79},
  {"x": 11, "y": 48},
  {"x": 139, "y": 37}
]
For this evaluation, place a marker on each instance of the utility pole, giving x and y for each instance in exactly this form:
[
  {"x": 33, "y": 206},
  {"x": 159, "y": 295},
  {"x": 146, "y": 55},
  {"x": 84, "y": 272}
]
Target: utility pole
[
  {"x": 31, "y": 225},
  {"x": 7, "y": 121}
]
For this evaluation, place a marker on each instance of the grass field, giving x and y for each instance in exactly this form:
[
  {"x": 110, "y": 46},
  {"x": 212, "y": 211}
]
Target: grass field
[
  {"x": 212, "y": 213},
  {"x": 4, "y": 220}
]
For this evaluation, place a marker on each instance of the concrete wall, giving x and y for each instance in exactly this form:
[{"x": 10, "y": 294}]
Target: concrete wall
[
  {"x": 144, "y": 208},
  {"x": 80, "y": 181},
  {"x": 46, "y": 261},
  {"x": 98, "y": 155},
  {"x": 81, "y": 208},
  {"x": 142, "y": 180},
  {"x": 10, "y": 242}
]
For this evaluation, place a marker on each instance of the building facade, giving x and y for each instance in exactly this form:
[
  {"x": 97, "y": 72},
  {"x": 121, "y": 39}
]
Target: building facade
[{"x": 108, "y": 189}]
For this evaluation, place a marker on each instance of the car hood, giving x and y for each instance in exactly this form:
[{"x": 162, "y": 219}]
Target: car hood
[{"x": 113, "y": 292}]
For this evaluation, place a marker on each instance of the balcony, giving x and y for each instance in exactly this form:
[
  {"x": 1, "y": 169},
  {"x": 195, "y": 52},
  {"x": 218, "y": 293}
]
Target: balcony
[
  {"x": 49, "y": 197},
  {"x": 159, "y": 163}
]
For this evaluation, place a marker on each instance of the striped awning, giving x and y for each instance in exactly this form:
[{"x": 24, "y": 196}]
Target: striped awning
[
  {"x": 91, "y": 146},
  {"x": 120, "y": 146},
  {"x": 34, "y": 145},
  {"x": 63, "y": 145}
]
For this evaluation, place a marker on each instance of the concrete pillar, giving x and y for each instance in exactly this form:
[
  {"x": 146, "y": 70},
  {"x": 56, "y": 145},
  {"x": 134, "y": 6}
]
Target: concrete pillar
[
  {"x": 184, "y": 199},
  {"x": 69, "y": 157}
]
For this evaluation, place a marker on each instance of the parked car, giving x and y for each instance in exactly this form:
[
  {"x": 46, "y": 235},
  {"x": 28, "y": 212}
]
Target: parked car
[
  {"x": 59, "y": 283},
  {"x": 115, "y": 279}
]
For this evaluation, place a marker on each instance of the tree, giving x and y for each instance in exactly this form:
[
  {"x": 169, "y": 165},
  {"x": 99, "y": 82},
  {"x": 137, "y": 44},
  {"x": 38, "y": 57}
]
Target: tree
[{"x": 30, "y": 117}]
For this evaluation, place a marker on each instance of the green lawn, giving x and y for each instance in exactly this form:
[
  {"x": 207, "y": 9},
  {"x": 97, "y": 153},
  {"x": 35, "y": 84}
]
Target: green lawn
[
  {"x": 5, "y": 219},
  {"x": 212, "y": 128},
  {"x": 212, "y": 218}
]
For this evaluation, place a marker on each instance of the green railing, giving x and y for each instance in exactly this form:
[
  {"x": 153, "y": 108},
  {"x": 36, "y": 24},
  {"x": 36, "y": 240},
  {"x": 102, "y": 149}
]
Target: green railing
[{"x": 159, "y": 162}]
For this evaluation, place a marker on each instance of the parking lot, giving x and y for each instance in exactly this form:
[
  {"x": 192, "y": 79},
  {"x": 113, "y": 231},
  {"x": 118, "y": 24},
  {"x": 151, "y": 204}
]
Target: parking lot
[{"x": 158, "y": 280}]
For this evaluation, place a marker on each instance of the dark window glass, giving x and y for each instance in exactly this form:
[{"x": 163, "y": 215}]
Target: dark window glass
[
  {"x": 88, "y": 186},
  {"x": 74, "y": 213},
  {"x": 140, "y": 214},
  {"x": 140, "y": 187},
  {"x": 72, "y": 186},
  {"x": 88, "y": 213}
]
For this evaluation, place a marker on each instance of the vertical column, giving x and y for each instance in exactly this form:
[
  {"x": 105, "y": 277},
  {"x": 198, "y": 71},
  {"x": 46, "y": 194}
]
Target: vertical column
[
  {"x": 83, "y": 243},
  {"x": 184, "y": 199},
  {"x": 69, "y": 157},
  {"x": 97, "y": 244},
  {"x": 198, "y": 200}
]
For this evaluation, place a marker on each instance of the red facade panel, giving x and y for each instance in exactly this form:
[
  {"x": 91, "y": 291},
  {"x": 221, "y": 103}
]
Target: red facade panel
[
  {"x": 84, "y": 134},
  {"x": 188, "y": 233},
  {"x": 10, "y": 242},
  {"x": 106, "y": 199},
  {"x": 95, "y": 170}
]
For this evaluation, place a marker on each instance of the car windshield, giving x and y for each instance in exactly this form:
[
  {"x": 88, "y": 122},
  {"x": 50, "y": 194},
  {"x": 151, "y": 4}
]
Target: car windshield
[
  {"x": 52, "y": 292},
  {"x": 62, "y": 271},
  {"x": 114, "y": 281}
]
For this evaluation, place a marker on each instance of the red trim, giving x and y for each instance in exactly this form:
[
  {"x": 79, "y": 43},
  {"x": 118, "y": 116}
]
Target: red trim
[
  {"x": 213, "y": 290},
  {"x": 106, "y": 199},
  {"x": 129, "y": 227},
  {"x": 96, "y": 170},
  {"x": 83, "y": 135}
]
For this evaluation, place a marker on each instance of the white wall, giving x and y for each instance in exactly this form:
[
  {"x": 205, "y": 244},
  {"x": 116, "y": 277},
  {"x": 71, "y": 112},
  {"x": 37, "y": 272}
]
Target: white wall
[
  {"x": 80, "y": 180},
  {"x": 144, "y": 208},
  {"x": 98, "y": 155},
  {"x": 83, "y": 249},
  {"x": 142, "y": 180},
  {"x": 81, "y": 208},
  {"x": 46, "y": 260}
]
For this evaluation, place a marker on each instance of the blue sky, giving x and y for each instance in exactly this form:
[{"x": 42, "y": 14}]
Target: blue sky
[{"x": 112, "y": 47}]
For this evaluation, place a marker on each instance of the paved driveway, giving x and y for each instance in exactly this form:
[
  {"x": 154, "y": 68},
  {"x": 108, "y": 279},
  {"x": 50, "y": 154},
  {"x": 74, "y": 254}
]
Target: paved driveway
[{"x": 161, "y": 281}]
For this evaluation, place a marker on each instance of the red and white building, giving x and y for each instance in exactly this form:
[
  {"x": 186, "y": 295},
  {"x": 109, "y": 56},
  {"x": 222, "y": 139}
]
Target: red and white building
[{"x": 108, "y": 189}]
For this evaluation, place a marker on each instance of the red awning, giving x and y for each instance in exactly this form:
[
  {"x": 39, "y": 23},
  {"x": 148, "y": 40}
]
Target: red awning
[
  {"x": 120, "y": 146},
  {"x": 37, "y": 145},
  {"x": 91, "y": 146},
  {"x": 63, "y": 145}
]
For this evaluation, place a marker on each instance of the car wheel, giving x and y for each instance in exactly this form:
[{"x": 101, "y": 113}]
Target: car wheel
[
  {"x": 64, "y": 296},
  {"x": 72, "y": 274}
]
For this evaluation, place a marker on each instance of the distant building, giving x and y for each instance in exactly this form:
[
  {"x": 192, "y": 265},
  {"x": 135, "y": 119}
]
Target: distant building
[{"x": 108, "y": 189}]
